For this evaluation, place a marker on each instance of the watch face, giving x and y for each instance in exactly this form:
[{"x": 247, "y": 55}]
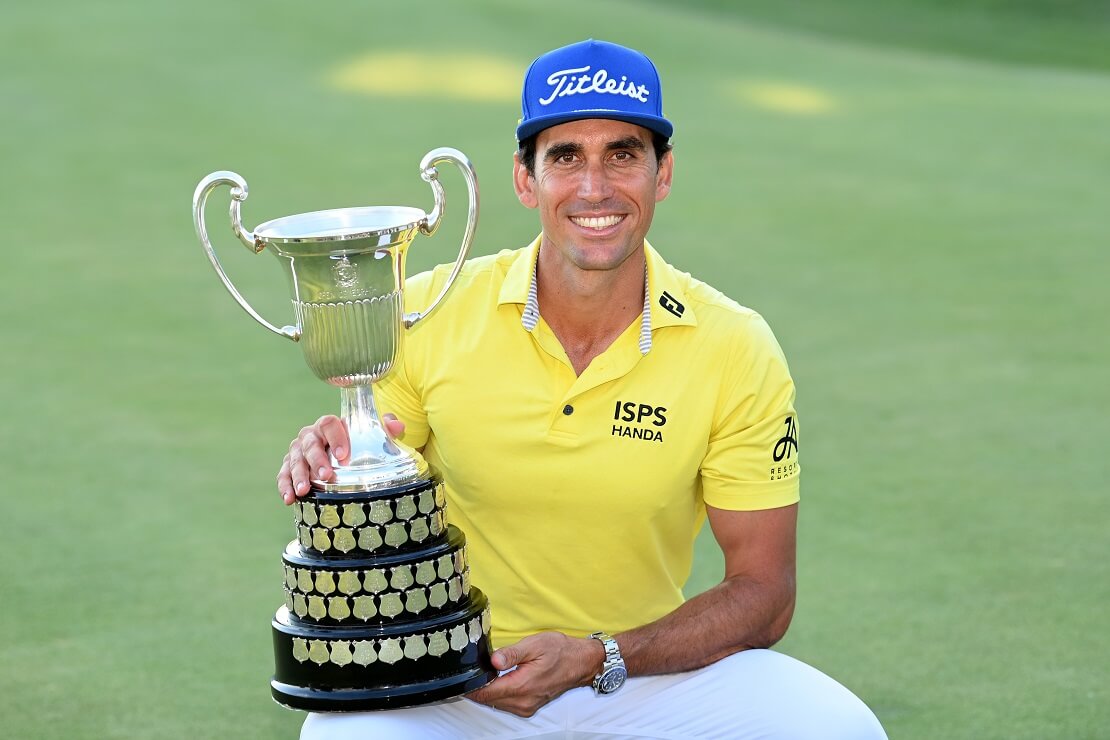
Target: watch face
[{"x": 612, "y": 680}]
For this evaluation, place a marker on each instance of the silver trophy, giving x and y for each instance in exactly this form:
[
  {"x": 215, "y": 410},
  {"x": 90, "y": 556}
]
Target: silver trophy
[
  {"x": 379, "y": 611},
  {"x": 346, "y": 270}
]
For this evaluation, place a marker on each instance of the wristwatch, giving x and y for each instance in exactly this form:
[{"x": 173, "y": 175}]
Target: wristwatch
[{"x": 613, "y": 672}]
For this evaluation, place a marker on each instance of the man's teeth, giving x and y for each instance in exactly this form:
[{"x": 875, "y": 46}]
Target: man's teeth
[{"x": 598, "y": 222}]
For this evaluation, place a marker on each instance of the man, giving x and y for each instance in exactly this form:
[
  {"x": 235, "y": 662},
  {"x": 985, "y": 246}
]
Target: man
[{"x": 586, "y": 402}]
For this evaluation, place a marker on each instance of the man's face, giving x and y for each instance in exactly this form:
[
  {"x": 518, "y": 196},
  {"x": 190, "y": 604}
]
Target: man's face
[{"x": 596, "y": 184}]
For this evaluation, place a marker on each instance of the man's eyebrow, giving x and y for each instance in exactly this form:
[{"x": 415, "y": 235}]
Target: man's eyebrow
[
  {"x": 561, "y": 149},
  {"x": 628, "y": 142}
]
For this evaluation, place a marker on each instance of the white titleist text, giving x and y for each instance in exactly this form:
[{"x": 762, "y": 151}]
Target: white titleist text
[{"x": 574, "y": 81}]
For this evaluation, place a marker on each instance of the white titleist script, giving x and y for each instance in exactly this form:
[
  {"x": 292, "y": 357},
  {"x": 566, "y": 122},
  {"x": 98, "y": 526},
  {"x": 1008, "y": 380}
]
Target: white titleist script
[{"x": 578, "y": 80}]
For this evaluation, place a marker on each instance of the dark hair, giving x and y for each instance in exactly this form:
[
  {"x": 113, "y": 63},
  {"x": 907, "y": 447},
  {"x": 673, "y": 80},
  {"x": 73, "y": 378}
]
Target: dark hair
[{"x": 526, "y": 150}]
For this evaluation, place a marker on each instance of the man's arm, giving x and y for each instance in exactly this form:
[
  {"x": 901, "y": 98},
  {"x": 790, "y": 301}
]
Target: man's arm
[{"x": 750, "y": 608}]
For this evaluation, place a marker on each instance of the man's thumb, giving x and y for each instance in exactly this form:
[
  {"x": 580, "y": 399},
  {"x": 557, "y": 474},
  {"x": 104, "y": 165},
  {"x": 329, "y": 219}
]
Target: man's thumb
[{"x": 505, "y": 658}]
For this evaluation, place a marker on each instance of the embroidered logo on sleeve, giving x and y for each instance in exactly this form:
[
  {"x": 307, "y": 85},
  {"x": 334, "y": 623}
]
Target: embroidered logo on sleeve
[
  {"x": 786, "y": 449},
  {"x": 789, "y": 442}
]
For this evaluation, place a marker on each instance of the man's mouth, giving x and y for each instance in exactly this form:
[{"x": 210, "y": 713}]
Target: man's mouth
[{"x": 596, "y": 222}]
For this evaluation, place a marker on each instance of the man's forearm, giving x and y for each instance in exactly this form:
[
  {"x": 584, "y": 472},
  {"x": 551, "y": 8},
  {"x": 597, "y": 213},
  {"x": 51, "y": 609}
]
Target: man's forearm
[{"x": 737, "y": 614}]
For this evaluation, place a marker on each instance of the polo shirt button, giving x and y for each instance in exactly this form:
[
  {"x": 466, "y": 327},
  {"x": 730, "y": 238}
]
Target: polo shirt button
[{"x": 568, "y": 410}]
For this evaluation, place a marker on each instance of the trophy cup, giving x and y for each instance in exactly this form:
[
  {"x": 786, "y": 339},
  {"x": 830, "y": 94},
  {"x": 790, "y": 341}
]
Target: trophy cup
[{"x": 379, "y": 611}]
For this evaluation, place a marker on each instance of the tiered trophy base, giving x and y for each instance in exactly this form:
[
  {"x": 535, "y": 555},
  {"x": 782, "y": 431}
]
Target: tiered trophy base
[
  {"x": 379, "y": 612},
  {"x": 355, "y": 669}
]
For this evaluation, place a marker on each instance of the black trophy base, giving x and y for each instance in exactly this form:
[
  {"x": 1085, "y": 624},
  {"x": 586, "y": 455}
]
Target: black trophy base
[
  {"x": 354, "y": 669},
  {"x": 393, "y": 697}
]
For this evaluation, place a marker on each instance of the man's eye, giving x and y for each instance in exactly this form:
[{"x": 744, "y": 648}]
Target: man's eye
[
  {"x": 565, "y": 158},
  {"x": 622, "y": 156}
]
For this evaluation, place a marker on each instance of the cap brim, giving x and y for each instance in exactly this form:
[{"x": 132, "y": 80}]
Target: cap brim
[{"x": 533, "y": 126}]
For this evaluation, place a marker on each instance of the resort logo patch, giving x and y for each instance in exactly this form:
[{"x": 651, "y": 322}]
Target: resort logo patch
[
  {"x": 786, "y": 452},
  {"x": 789, "y": 442}
]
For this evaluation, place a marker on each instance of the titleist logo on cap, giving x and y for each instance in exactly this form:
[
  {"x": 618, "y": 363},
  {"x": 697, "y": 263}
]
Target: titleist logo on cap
[{"x": 565, "y": 82}]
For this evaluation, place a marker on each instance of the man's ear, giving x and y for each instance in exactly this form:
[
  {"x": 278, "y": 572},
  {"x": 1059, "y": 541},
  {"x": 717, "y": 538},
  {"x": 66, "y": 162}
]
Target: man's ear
[
  {"x": 663, "y": 177},
  {"x": 524, "y": 183}
]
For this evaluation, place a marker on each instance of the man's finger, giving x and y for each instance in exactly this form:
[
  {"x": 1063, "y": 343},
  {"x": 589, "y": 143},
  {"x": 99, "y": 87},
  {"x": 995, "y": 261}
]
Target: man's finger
[
  {"x": 334, "y": 433},
  {"x": 298, "y": 471},
  {"x": 285, "y": 483},
  {"x": 393, "y": 425},
  {"x": 316, "y": 457}
]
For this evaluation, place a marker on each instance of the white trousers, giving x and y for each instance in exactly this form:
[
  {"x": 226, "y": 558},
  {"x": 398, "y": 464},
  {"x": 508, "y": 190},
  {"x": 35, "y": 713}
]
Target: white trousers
[{"x": 752, "y": 694}]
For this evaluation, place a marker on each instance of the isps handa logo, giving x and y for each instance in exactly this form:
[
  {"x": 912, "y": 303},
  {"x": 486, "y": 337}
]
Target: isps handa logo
[
  {"x": 643, "y": 421},
  {"x": 785, "y": 451}
]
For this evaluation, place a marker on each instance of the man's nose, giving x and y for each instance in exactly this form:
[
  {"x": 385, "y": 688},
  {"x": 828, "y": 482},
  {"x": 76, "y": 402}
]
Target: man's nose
[{"x": 594, "y": 186}]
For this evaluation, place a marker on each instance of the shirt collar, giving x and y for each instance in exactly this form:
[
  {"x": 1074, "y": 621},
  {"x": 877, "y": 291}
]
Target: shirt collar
[
  {"x": 519, "y": 279},
  {"x": 670, "y": 306},
  {"x": 661, "y": 288}
]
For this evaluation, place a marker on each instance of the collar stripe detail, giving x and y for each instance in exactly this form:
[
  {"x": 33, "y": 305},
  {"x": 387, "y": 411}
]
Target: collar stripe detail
[
  {"x": 531, "y": 316},
  {"x": 645, "y": 322}
]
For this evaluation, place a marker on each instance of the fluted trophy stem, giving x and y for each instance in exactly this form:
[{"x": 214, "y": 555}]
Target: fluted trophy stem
[{"x": 375, "y": 456}]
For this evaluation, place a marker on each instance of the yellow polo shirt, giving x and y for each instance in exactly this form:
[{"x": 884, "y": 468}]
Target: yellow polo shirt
[{"x": 581, "y": 496}]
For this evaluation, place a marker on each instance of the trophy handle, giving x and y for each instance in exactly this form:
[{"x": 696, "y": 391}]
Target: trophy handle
[
  {"x": 238, "y": 194},
  {"x": 430, "y": 223}
]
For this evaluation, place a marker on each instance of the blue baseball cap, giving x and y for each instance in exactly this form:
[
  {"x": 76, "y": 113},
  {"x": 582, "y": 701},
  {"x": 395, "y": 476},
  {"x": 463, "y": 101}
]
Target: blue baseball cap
[{"x": 591, "y": 79}]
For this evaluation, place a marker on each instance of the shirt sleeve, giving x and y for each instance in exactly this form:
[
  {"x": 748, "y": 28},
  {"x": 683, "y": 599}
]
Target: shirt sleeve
[{"x": 752, "y": 457}]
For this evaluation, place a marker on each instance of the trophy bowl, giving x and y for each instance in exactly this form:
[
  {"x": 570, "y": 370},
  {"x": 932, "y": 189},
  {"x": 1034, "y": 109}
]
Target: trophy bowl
[{"x": 346, "y": 273}]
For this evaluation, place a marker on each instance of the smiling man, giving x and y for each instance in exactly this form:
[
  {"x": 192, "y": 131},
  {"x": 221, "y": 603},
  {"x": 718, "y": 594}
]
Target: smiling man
[{"x": 589, "y": 406}]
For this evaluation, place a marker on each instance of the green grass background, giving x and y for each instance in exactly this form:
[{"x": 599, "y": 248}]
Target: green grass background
[
  {"x": 1068, "y": 33},
  {"x": 931, "y": 251}
]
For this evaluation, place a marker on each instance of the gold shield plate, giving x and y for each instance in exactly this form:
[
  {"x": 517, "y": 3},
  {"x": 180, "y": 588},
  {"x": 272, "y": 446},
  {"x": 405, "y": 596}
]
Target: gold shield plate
[
  {"x": 354, "y": 515},
  {"x": 369, "y": 538},
  {"x": 390, "y": 605},
  {"x": 341, "y": 653},
  {"x": 437, "y": 643},
  {"x": 389, "y": 651},
  {"x": 406, "y": 507},
  {"x": 365, "y": 607},
  {"x": 349, "y": 582},
  {"x": 364, "y": 652},
  {"x": 415, "y": 647},
  {"x": 380, "y": 513},
  {"x": 401, "y": 577},
  {"x": 437, "y": 594},
  {"x": 344, "y": 539},
  {"x": 375, "y": 581},
  {"x": 318, "y": 651},
  {"x": 338, "y": 607},
  {"x": 329, "y": 516}
]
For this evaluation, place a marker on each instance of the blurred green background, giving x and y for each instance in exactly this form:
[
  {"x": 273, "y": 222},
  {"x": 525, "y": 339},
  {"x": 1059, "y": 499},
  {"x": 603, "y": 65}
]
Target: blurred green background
[{"x": 915, "y": 194}]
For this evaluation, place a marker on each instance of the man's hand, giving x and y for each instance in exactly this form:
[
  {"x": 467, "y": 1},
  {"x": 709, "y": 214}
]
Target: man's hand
[
  {"x": 546, "y": 665},
  {"x": 308, "y": 454}
]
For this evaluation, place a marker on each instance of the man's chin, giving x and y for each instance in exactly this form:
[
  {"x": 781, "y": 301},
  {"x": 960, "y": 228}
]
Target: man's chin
[{"x": 597, "y": 263}]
